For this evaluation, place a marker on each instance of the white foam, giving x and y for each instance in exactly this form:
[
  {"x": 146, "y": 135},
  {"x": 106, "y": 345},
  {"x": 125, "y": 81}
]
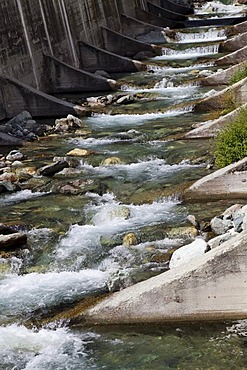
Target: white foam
[
  {"x": 43, "y": 349},
  {"x": 21, "y": 196},
  {"x": 190, "y": 53},
  {"x": 22, "y": 294},
  {"x": 106, "y": 220},
  {"x": 106, "y": 120}
]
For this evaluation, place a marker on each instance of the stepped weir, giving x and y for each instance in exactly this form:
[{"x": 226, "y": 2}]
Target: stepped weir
[{"x": 47, "y": 47}]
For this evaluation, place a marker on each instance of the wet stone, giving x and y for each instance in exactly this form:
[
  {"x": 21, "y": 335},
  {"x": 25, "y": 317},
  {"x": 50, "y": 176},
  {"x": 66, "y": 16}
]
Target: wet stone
[{"x": 52, "y": 169}]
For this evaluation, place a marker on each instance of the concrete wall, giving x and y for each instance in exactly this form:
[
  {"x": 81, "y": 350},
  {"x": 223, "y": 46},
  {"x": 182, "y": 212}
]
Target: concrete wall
[{"x": 30, "y": 29}]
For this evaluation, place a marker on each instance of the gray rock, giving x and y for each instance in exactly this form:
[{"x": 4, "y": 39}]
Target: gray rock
[
  {"x": 220, "y": 226},
  {"x": 127, "y": 99},
  {"x": 9, "y": 140},
  {"x": 15, "y": 155},
  {"x": 7, "y": 186},
  {"x": 186, "y": 253},
  {"x": 218, "y": 240},
  {"x": 52, "y": 169},
  {"x": 102, "y": 73},
  {"x": 20, "y": 120}
]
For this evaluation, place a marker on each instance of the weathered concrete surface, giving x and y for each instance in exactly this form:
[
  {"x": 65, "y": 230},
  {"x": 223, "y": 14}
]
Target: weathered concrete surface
[
  {"x": 135, "y": 28},
  {"x": 212, "y": 128},
  {"x": 19, "y": 97},
  {"x": 234, "y": 95},
  {"x": 117, "y": 43},
  {"x": 148, "y": 17},
  {"x": 238, "y": 28},
  {"x": 233, "y": 58},
  {"x": 210, "y": 287},
  {"x": 165, "y": 13},
  {"x": 229, "y": 182},
  {"x": 228, "y": 21},
  {"x": 222, "y": 77},
  {"x": 64, "y": 78},
  {"x": 233, "y": 44},
  {"x": 176, "y": 7},
  {"x": 93, "y": 58}
]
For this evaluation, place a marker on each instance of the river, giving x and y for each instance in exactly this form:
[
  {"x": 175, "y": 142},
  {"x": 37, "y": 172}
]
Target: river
[{"x": 76, "y": 243}]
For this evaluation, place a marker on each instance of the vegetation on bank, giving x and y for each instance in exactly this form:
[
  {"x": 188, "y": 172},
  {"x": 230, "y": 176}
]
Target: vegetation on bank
[
  {"x": 231, "y": 142},
  {"x": 239, "y": 75}
]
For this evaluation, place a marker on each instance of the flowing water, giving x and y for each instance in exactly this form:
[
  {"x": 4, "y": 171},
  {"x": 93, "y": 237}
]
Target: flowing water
[{"x": 76, "y": 243}]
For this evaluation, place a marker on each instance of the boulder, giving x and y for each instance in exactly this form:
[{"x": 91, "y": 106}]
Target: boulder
[
  {"x": 186, "y": 253},
  {"x": 127, "y": 99},
  {"x": 130, "y": 239},
  {"x": 218, "y": 240},
  {"x": 70, "y": 123},
  {"x": 52, "y": 169},
  {"x": 12, "y": 241},
  {"x": 76, "y": 187},
  {"x": 7, "y": 186},
  {"x": 220, "y": 225},
  {"x": 15, "y": 155},
  {"x": 9, "y": 140},
  {"x": 79, "y": 152},
  {"x": 112, "y": 161}
]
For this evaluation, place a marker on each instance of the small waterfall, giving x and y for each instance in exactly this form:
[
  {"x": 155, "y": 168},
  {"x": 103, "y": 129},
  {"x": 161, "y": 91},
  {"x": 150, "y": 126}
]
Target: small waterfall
[
  {"x": 212, "y": 34},
  {"x": 194, "y": 52}
]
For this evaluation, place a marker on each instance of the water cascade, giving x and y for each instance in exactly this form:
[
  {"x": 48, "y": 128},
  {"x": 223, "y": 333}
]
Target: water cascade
[{"x": 121, "y": 231}]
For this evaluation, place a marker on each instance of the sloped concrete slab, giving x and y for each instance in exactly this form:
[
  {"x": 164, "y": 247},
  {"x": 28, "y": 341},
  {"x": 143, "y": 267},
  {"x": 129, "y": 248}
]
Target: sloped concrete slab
[
  {"x": 229, "y": 182},
  {"x": 212, "y": 128},
  {"x": 222, "y": 77},
  {"x": 210, "y": 287},
  {"x": 235, "y": 43},
  {"x": 233, "y": 58}
]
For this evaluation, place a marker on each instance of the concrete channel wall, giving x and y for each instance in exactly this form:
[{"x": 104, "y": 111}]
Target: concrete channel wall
[{"x": 34, "y": 31}]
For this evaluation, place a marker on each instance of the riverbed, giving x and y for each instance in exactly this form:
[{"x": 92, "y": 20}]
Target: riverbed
[{"x": 76, "y": 245}]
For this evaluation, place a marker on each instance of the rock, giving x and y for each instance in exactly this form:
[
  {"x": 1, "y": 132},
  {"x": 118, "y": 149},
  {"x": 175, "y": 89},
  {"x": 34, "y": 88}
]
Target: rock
[
  {"x": 215, "y": 242},
  {"x": 76, "y": 187},
  {"x": 12, "y": 241},
  {"x": 127, "y": 99},
  {"x": 111, "y": 161},
  {"x": 77, "y": 152},
  {"x": 9, "y": 140},
  {"x": 228, "y": 213},
  {"x": 15, "y": 155},
  {"x": 130, "y": 239},
  {"x": 186, "y": 253},
  {"x": 220, "y": 225},
  {"x": 5, "y": 229},
  {"x": 70, "y": 123},
  {"x": 7, "y": 186},
  {"x": 52, "y": 169},
  {"x": 8, "y": 176},
  {"x": 102, "y": 73},
  {"x": 193, "y": 221}
]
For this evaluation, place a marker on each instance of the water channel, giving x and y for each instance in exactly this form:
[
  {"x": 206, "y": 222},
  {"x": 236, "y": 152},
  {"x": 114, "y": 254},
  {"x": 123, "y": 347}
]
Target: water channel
[{"x": 75, "y": 243}]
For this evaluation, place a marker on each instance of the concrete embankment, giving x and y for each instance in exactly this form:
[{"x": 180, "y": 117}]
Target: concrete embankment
[
  {"x": 213, "y": 127},
  {"x": 210, "y": 287},
  {"x": 229, "y": 182}
]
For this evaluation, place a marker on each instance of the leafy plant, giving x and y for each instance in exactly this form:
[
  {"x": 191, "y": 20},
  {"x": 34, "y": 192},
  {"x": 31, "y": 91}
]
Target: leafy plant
[
  {"x": 231, "y": 142},
  {"x": 239, "y": 75}
]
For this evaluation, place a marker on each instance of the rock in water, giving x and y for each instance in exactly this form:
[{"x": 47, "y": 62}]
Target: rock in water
[
  {"x": 12, "y": 241},
  {"x": 186, "y": 253}
]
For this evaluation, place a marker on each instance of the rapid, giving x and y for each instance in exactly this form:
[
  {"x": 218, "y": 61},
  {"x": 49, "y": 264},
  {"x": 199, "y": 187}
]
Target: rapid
[{"x": 76, "y": 244}]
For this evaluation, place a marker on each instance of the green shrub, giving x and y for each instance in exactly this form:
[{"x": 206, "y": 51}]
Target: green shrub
[
  {"x": 231, "y": 142},
  {"x": 239, "y": 75}
]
